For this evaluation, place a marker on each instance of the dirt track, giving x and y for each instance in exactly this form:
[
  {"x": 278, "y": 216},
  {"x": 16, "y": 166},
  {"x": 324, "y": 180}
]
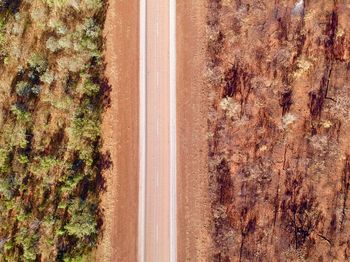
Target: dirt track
[
  {"x": 120, "y": 133},
  {"x": 194, "y": 240}
]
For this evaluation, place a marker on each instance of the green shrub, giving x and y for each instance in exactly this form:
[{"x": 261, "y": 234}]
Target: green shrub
[
  {"x": 39, "y": 16},
  {"x": 19, "y": 138},
  {"x": 28, "y": 241},
  {"x": 26, "y": 89},
  {"x": 56, "y": 3},
  {"x": 8, "y": 245},
  {"x": 85, "y": 128},
  {"x": 61, "y": 103},
  {"x": 57, "y": 26},
  {"x": 52, "y": 44},
  {"x": 23, "y": 159},
  {"x": 21, "y": 217},
  {"x": 90, "y": 88},
  {"x": 2, "y": 31},
  {"x": 91, "y": 29},
  {"x": 21, "y": 114},
  {"x": 4, "y": 161},
  {"x": 65, "y": 42},
  {"x": 71, "y": 183},
  {"x": 77, "y": 258},
  {"x": 43, "y": 165},
  {"x": 6, "y": 188},
  {"x": 94, "y": 5},
  {"x": 86, "y": 153},
  {"x": 82, "y": 222},
  {"x": 48, "y": 77},
  {"x": 38, "y": 62},
  {"x": 56, "y": 44},
  {"x": 73, "y": 64}
]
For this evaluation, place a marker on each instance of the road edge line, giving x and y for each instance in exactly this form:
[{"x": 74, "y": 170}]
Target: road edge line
[
  {"x": 142, "y": 130},
  {"x": 173, "y": 131}
]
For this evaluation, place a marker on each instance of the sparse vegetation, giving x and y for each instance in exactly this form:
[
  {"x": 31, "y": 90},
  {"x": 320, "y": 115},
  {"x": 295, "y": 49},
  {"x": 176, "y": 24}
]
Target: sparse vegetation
[
  {"x": 51, "y": 104},
  {"x": 278, "y": 126}
]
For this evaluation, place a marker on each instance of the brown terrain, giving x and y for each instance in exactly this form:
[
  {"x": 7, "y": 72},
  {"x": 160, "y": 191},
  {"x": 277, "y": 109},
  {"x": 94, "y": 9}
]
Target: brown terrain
[
  {"x": 120, "y": 133},
  {"x": 194, "y": 223},
  {"x": 279, "y": 156}
]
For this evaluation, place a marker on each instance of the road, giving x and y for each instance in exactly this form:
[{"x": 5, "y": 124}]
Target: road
[{"x": 157, "y": 189}]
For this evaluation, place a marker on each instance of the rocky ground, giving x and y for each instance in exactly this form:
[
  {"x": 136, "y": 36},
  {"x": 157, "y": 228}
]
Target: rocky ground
[{"x": 279, "y": 156}]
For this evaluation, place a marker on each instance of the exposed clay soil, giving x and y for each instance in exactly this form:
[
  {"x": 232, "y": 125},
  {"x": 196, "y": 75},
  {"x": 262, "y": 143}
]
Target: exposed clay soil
[
  {"x": 120, "y": 134},
  {"x": 278, "y": 125},
  {"x": 194, "y": 219}
]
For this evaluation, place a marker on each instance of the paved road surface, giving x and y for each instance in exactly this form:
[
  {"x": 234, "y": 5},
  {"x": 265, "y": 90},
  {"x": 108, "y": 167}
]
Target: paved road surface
[{"x": 157, "y": 205}]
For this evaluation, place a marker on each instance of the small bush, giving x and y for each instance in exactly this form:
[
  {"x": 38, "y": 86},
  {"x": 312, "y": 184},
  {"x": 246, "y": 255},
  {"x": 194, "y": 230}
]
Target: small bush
[
  {"x": 93, "y": 4},
  {"x": 52, "y": 44},
  {"x": 4, "y": 161},
  {"x": 20, "y": 113},
  {"x": 19, "y": 138},
  {"x": 23, "y": 159},
  {"x": 77, "y": 258},
  {"x": 71, "y": 183},
  {"x": 26, "y": 89},
  {"x": 72, "y": 64},
  {"x": 65, "y": 42},
  {"x": 28, "y": 242},
  {"x": 56, "y": 3},
  {"x": 91, "y": 29},
  {"x": 90, "y": 88},
  {"x": 86, "y": 128},
  {"x": 43, "y": 165},
  {"x": 2, "y": 31},
  {"x": 86, "y": 154},
  {"x": 61, "y": 103},
  {"x": 38, "y": 62},
  {"x": 57, "y": 26},
  {"x": 39, "y": 16},
  {"x": 48, "y": 77},
  {"x": 6, "y": 188},
  {"x": 82, "y": 222}
]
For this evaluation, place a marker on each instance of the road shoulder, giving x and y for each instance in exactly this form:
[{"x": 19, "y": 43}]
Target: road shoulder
[
  {"x": 194, "y": 241},
  {"x": 120, "y": 133}
]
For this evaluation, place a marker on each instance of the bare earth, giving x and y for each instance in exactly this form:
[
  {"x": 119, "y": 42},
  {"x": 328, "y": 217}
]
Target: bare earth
[
  {"x": 120, "y": 133},
  {"x": 194, "y": 215}
]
